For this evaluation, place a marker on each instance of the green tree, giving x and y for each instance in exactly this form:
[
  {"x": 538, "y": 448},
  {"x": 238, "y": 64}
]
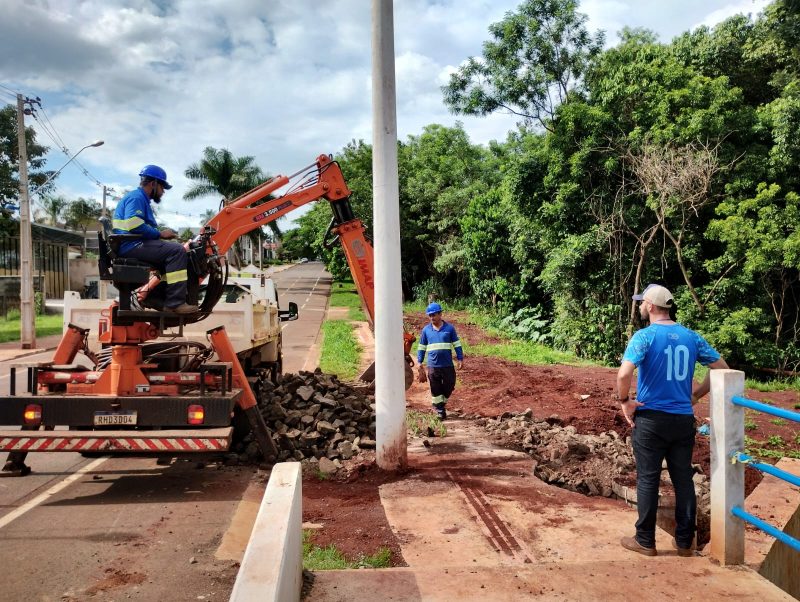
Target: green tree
[
  {"x": 81, "y": 215},
  {"x": 52, "y": 208},
  {"x": 443, "y": 172},
  {"x": 207, "y": 215},
  {"x": 761, "y": 236},
  {"x": 186, "y": 234},
  {"x": 219, "y": 172},
  {"x": 535, "y": 59},
  {"x": 9, "y": 166}
]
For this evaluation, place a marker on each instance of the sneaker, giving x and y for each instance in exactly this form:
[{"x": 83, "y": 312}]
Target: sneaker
[
  {"x": 686, "y": 552},
  {"x": 630, "y": 543},
  {"x": 183, "y": 308}
]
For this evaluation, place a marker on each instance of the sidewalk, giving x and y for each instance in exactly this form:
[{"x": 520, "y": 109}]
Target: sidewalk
[
  {"x": 12, "y": 350},
  {"x": 475, "y": 524}
]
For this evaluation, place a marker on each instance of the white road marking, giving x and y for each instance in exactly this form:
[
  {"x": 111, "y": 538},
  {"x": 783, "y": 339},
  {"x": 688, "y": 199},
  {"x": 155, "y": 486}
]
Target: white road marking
[{"x": 11, "y": 516}]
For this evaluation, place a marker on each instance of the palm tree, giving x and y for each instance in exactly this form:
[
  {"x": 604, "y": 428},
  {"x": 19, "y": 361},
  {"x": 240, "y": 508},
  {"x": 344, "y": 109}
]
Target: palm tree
[
  {"x": 206, "y": 217},
  {"x": 52, "y": 208},
  {"x": 220, "y": 172},
  {"x": 81, "y": 214}
]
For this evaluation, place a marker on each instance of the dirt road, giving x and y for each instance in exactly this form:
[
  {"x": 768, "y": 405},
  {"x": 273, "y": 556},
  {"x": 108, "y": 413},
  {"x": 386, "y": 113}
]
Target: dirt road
[{"x": 581, "y": 397}]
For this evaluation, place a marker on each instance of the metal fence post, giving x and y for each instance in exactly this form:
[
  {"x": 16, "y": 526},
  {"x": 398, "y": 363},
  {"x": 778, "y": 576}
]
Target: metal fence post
[{"x": 727, "y": 479}]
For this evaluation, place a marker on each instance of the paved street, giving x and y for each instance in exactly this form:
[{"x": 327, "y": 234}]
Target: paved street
[{"x": 109, "y": 528}]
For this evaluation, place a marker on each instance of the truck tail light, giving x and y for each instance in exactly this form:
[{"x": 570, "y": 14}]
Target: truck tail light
[
  {"x": 33, "y": 414},
  {"x": 196, "y": 414}
]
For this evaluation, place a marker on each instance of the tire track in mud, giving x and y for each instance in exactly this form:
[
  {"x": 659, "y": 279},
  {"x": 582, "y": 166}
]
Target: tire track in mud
[{"x": 494, "y": 529}]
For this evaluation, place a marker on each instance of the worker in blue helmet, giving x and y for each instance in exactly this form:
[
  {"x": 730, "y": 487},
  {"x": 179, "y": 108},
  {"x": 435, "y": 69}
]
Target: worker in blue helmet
[
  {"x": 439, "y": 340},
  {"x": 134, "y": 215}
]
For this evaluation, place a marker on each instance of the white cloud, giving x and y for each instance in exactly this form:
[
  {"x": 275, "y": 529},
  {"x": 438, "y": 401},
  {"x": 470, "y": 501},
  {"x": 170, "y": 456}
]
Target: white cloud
[{"x": 281, "y": 81}]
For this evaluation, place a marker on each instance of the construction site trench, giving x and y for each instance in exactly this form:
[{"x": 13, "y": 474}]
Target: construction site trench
[{"x": 563, "y": 417}]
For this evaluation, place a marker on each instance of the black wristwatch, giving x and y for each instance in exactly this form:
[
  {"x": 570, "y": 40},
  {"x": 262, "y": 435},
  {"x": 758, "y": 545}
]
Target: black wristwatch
[{"x": 620, "y": 399}]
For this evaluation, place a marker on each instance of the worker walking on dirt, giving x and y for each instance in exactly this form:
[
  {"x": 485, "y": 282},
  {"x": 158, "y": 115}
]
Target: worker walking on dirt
[
  {"x": 662, "y": 417},
  {"x": 133, "y": 215},
  {"x": 438, "y": 340}
]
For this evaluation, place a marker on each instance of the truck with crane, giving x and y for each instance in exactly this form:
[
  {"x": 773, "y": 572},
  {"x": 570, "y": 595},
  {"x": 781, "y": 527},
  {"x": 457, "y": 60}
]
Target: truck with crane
[{"x": 143, "y": 395}]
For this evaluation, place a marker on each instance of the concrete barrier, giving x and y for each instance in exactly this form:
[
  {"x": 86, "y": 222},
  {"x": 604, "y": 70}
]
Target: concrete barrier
[{"x": 272, "y": 567}]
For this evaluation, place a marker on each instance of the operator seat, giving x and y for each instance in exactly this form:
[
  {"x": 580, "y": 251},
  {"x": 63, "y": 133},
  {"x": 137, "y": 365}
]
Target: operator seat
[{"x": 126, "y": 274}]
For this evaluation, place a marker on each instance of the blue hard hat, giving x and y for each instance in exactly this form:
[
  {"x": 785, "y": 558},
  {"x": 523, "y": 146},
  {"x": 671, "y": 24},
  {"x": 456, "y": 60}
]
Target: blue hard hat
[
  {"x": 157, "y": 173},
  {"x": 433, "y": 308}
]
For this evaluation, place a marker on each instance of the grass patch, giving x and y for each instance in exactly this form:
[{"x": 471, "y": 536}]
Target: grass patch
[
  {"x": 340, "y": 351},
  {"x": 329, "y": 558},
  {"x": 344, "y": 294},
  {"x": 778, "y": 421},
  {"x": 779, "y": 384},
  {"x": 749, "y": 425},
  {"x": 754, "y": 448},
  {"x": 525, "y": 352},
  {"x": 418, "y": 424},
  {"x": 45, "y": 326}
]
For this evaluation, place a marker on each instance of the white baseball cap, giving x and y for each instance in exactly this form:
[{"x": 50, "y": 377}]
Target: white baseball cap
[{"x": 657, "y": 295}]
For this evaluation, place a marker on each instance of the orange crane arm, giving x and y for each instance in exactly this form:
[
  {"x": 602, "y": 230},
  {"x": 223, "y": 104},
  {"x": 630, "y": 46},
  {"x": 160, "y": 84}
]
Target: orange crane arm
[{"x": 322, "y": 180}]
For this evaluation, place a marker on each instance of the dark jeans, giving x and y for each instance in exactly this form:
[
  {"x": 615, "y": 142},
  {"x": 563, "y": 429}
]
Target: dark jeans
[
  {"x": 659, "y": 435},
  {"x": 172, "y": 257}
]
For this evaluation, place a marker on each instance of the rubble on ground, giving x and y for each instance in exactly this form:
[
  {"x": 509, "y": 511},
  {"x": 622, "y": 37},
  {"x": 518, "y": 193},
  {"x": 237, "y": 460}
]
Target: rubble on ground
[
  {"x": 587, "y": 464},
  {"x": 313, "y": 417}
]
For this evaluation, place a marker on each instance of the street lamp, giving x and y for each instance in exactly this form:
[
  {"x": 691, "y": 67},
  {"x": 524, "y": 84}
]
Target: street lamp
[
  {"x": 55, "y": 174},
  {"x": 27, "y": 313}
]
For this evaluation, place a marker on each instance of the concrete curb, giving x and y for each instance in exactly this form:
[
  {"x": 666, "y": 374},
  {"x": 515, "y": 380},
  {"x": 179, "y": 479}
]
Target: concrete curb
[{"x": 272, "y": 567}]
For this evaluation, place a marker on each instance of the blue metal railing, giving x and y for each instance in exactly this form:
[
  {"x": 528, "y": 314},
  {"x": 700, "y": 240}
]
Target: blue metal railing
[
  {"x": 767, "y": 409},
  {"x": 742, "y": 458}
]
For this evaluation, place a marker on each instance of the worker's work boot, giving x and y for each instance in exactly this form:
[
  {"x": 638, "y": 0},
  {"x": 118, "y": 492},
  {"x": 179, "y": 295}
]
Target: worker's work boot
[
  {"x": 15, "y": 469},
  {"x": 184, "y": 308},
  {"x": 440, "y": 409},
  {"x": 630, "y": 543},
  {"x": 686, "y": 552}
]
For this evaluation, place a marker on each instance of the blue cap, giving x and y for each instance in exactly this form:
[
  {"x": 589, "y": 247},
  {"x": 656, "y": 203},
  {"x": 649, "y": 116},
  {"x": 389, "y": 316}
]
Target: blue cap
[{"x": 433, "y": 308}]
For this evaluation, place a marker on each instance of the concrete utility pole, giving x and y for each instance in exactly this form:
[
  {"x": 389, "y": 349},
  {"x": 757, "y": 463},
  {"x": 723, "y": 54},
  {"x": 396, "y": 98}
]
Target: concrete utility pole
[
  {"x": 390, "y": 399},
  {"x": 102, "y": 286},
  {"x": 26, "y": 308}
]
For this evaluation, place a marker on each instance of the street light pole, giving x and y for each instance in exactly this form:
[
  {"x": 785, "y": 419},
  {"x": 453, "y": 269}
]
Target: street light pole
[{"x": 26, "y": 309}]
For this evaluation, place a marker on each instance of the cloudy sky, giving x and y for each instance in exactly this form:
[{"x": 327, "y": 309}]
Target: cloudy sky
[{"x": 283, "y": 81}]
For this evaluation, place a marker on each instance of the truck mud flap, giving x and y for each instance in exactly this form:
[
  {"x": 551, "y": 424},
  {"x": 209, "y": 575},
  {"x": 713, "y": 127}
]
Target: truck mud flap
[{"x": 174, "y": 441}]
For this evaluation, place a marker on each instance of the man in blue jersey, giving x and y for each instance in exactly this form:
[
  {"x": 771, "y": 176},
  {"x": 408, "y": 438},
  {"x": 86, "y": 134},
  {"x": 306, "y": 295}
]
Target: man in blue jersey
[
  {"x": 661, "y": 416},
  {"x": 438, "y": 340},
  {"x": 133, "y": 215}
]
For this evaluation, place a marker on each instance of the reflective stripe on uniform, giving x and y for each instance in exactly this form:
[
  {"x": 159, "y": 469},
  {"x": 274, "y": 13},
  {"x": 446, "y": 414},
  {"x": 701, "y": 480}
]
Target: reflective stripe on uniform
[
  {"x": 128, "y": 224},
  {"x": 173, "y": 277},
  {"x": 421, "y": 347},
  {"x": 439, "y": 346},
  {"x": 438, "y": 399},
  {"x": 457, "y": 344}
]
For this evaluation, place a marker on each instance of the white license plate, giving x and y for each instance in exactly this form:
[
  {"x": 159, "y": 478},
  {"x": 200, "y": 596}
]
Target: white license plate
[{"x": 115, "y": 418}]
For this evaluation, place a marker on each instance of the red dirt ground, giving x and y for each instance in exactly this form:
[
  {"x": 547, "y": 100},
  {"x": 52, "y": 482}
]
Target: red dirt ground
[{"x": 351, "y": 513}]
